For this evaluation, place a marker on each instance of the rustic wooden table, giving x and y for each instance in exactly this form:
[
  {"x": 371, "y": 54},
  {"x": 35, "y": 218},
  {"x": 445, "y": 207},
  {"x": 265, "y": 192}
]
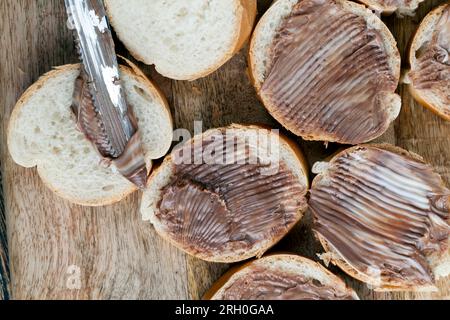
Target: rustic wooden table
[{"x": 53, "y": 243}]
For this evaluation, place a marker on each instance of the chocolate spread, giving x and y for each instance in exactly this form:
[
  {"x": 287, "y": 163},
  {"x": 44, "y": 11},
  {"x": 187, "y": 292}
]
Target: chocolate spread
[
  {"x": 267, "y": 284},
  {"x": 384, "y": 214},
  {"x": 130, "y": 161},
  {"x": 328, "y": 73},
  {"x": 432, "y": 70},
  {"x": 211, "y": 209},
  {"x": 393, "y": 3},
  {"x": 390, "y": 4}
]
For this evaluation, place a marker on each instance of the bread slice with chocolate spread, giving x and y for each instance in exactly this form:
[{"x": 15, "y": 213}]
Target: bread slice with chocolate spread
[{"x": 43, "y": 133}]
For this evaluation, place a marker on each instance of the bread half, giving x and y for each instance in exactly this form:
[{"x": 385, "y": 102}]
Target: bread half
[
  {"x": 429, "y": 58},
  {"x": 402, "y": 8},
  {"x": 280, "y": 277},
  {"x": 228, "y": 211},
  {"x": 185, "y": 40},
  {"x": 43, "y": 133},
  {"x": 326, "y": 69},
  {"x": 383, "y": 216}
]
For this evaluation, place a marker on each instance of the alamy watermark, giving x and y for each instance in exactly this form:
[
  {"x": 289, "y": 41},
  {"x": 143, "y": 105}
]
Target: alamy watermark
[{"x": 73, "y": 280}]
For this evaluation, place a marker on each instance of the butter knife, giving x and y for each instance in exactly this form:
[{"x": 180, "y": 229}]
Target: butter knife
[{"x": 99, "y": 102}]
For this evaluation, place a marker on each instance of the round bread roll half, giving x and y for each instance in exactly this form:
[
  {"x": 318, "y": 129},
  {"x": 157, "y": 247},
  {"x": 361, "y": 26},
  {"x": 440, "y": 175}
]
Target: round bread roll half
[
  {"x": 280, "y": 277},
  {"x": 429, "y": 57},
  {"x": 229, "y": 194},
  {"x": 326, "y": 70},
  {"x": 43, "y": 133},
  {"x": 184, "y": 39},
  {"x": 401, "y": 7},
  {"x": 382, "y": 214}
]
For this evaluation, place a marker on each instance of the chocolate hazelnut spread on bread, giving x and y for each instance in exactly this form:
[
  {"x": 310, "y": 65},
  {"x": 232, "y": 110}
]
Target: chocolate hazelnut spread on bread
[
  {"x": 266, "y": 284},
  {"x": 329, "y": 74},
  {"x": 431, "y": 72},
  {"x": 211, "y": 207},
  {"x": 384, "y": 213},
  {"x": 280, "y": 277}
]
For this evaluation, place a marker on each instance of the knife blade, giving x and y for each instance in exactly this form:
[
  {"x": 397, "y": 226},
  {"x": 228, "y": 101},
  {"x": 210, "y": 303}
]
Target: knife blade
[{"x": 102, "y": 112}]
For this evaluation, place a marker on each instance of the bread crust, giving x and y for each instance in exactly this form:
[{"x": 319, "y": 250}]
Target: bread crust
[
  {"x": 375, "y": 6},
  {"x": 387, "y": 10},
  {"x": 246, "y": 9},
  {"x": 223, "y": 280},
  {"x": 337, "y": 260},
  {"x": 284, "y": 141},
  {"x": 373, "y": 21},
  {"x": 23, "y": 100},
  {"x": 430, "y": 18}
]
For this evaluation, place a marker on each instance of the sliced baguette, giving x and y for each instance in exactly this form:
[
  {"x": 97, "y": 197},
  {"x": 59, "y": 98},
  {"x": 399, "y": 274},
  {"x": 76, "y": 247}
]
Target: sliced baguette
[
  {"x": 439, "y": 264},
  {"x": 424, "y": 33},
  {"x": 402, "y": 8},
  {"x": 42, "y": 133},
  {"x": 185, "y": 40},
  {"x": 280, "y": 263},
  {"x": 260, "y": 58},
  {"x": 289, "y": 154}
]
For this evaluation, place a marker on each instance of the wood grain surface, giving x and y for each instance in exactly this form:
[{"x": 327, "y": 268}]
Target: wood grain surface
[{"x": 62, "y": 251}]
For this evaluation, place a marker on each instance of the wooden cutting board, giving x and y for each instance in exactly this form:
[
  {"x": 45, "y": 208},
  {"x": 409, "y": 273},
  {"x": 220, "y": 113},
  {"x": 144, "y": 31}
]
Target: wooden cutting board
[{"x": 58, "y": 250}]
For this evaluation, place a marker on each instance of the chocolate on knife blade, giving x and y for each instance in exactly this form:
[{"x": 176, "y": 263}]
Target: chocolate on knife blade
[{"x": 99, "y": 101}]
